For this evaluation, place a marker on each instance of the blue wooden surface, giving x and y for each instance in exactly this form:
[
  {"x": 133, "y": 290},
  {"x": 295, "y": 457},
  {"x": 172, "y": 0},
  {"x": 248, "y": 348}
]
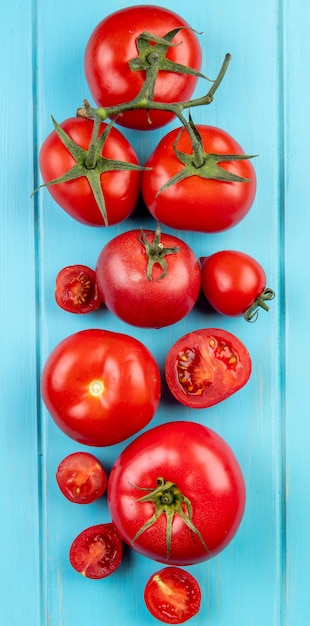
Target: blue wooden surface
[{"x": 263, "y": 576}]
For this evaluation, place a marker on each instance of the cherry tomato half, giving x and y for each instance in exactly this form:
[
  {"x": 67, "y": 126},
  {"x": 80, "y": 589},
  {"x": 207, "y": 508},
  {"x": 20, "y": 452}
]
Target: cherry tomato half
[
  {"x": 76, "y": 289},
  {"x": 172, "y": 595},
  {"x": 207, "y": 366},
  {"x": 97, "y": 551},
  {"x": 81, "y": 478},
  {"x": 101, "y": 387}
]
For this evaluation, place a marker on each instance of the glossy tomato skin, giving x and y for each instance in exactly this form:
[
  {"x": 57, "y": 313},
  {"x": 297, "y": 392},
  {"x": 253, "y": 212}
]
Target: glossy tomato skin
[
  {"x": 97, "y": 551},
  {"x": 120, "y": 188},
  {"x": 101, "y": 387},
  {"x": 207, "y": 366},
  {"x": 231, "y": 281},
  {"x": 202, "y": 465},
  {"x": 76, "y": 290},
  {"x": 81, "y": 478},
  {"x": 198, "y": 204},
  {"x": 172, "y": 595},
  {"x": 113, "y": 44},
  {"x": 121, "y": 275}
]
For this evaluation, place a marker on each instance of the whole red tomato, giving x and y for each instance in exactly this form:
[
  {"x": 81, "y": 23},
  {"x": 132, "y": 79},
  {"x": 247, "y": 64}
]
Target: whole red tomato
[
  {"x": 112, "y": 46},
  {"x": 120, "y": 189},
  {"x": 176, "y": 493},
  {"x": 206, "y": 366},
  {"x": 148, "y": 279},
  {"x": 234, "y": 284},
  {"x": 101, "y": 387},
  {"x": 198, "y": 202}
]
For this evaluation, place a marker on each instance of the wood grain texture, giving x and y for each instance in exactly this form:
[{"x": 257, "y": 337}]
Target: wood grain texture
[{"x": 262, "y": 577}]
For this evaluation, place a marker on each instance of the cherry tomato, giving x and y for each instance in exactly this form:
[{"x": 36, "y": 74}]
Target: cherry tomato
[
  {"x": 101, "y": 387},
  {"x": 176, "y": 493},
  {"x": 113, "y": 44},
  {"x": 235, "y": 284},
  {"x": 97, "y": 551},
  {"x": 120, "y": 189},
  {"x": 76, "y": 290},
  {"x": 81, "y": 478},
  {"x": 172, "y": 595},
  {"x": 207, "y": 366},
  {"x": 197, "y": 203},
  {"x": 148, "y": 279}
]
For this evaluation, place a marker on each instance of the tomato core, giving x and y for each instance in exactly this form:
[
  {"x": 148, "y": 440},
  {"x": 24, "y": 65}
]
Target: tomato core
[
  {"x": 96, "y": 388},
  {"x": 194, "y": 367}
]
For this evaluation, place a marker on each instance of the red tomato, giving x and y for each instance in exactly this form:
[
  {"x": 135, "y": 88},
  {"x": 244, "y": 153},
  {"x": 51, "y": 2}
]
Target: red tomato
[
  {"x": 76, "y": 290},
  {"x": 148, "y": 279},
  {"x": 113, "y": 44},
  {"x": 234, "y": 284},
  {"x": 120, "y": 188},
  {"x": 197, "y": 203},
  {"x": 81, "y": 478},
  {"x": 176, "y": 493},
  {"x": 172, "y": 595},
  {"x": 97, "y": 551},
  {"x": 207, "y": 366},
  {"x": 101, "y": 387}
]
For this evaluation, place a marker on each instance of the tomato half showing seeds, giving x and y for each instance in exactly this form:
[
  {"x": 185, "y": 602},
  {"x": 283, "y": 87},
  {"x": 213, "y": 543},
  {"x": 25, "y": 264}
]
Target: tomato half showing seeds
[
  {"x": 207, "y": 366},
  {"x": 198, "y": 202},
  {"x": 172, "y": 595},
  {"x": 101, "y": 387},
  {"x": 113, "y": 46},
  {"x": 176, "y": 493},
  {"x": 76, "y": 290},
  {"x": 118, "y": 189},
  {"x": 81, "y": 478},
  {"x": 148, "y": 279},
  {"x": 97, "y": 551},
  {"x": 235, "y": 284}
]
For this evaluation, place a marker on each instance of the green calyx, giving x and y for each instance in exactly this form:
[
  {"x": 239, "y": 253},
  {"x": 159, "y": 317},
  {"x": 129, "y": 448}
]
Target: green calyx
[
  {"x": 168, "y": 500},
  {"x": 156, "y": 253},
  {"x": 152, "y": 51},
  {"x": 251, "y": 314},
  {"x": 90, "y": 163},
  {"x": 202, "y": 164}
]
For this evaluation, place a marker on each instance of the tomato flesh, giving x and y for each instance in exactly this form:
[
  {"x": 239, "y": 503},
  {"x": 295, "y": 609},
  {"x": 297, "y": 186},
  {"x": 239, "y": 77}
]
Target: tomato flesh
[
  {"x": 76, "y": 289},
  {"x": 81, "y": 478},
  {"x": 172, "y": 595},
  {"x": 97, "y": 551},
  {"x": 206, "y": 366}
]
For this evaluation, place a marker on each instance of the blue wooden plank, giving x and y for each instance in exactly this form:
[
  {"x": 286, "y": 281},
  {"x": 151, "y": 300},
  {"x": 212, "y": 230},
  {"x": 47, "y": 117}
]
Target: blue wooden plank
[
  {"x": 261, "y": 576},
  {"x": 19, "y": 458}
]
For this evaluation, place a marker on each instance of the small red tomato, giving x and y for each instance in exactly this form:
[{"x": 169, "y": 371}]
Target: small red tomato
[
  {"x": 76, "y": 290},
  {"x": 148, "y": 279},
  {"x": 81, "y": 478},
  {"x": 172, "y": 595},
  {"x": 207, "y": 366},
  {"x": 235, "y": 284},
  {"x": 97, "y": 551}
]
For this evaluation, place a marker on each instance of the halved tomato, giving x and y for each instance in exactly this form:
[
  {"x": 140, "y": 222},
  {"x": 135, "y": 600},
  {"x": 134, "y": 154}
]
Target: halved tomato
[{"x": 207, "y": 366}]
